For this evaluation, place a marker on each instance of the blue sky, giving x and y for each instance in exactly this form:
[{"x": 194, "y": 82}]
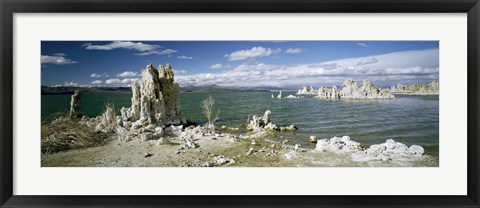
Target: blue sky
[{"x": 240, "y": 63}]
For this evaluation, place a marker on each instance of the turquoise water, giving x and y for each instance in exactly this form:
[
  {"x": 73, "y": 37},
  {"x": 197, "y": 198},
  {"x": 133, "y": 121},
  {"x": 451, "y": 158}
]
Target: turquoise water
[{"x": 409, "y": 119}]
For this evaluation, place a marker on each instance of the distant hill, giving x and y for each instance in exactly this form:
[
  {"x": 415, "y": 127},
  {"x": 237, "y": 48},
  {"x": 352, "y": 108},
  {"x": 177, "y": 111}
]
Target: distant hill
[
  {"x": 46, "y": 90},
  {"x": 217, "y": 88}
]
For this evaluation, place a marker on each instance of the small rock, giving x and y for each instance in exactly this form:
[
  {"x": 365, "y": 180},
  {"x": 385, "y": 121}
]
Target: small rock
[
  {"x": 250, "y": 151},
  {"x": 242, "y": 136},
  {"x": 148, "y": 155},
  {"x": 288, "y": 155},
  {"x": 220, "y": 160},
  {"x": 162, "y": 141}
]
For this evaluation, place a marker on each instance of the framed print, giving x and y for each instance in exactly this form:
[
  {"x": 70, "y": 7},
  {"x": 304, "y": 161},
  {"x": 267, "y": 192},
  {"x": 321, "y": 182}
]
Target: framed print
[{"x": 247, "y": 104}]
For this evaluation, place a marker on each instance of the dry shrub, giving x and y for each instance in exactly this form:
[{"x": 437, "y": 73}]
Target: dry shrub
[
  {"x": 48, "y": 119},
  {"x": 69, "y": 134},
  {"x": 208, "y": 110}
]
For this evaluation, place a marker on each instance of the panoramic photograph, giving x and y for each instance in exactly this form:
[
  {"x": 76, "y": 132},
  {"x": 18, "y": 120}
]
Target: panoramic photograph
[{"x": 135, "y": 103}]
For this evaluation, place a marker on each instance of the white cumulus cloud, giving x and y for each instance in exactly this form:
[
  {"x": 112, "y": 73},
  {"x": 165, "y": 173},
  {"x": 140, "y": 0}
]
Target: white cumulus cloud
[
  {"x": 294, "y": 50},
  {"x": 384, "y": 69},
  {"x": 177, "y": 72},
  {"x": 219, "y": 66},
  {"x": 362, "y": 44},
  {"x": 157, "y": 52},
  {"x": 57, "y": 59},
  {"x": 127, "y": 74},
  {"x": 138, "y": 46},
  {"x": 255, "y": 52},
  {"x": 185, "y": 57},
  {"x": 143, "y": 48},
  {"x": 96, "y": 75},
  {"x": 68, "y": 84},
  {"x": 369, "y": 60},
  {"x": 129, "y": 80},
  {"x": 121, "y": 82},
  {"x": 96, "y": 82},
  {"x": 113, "y": 81}
]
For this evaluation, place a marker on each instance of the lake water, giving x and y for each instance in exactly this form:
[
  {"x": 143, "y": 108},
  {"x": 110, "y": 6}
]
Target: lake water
[{"x": 409, "y": 119}]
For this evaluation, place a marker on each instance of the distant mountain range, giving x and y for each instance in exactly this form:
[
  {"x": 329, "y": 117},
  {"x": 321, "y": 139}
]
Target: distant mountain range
[
  {"x": 47, "y": 90},
  {"x": 210, "y": 88}
]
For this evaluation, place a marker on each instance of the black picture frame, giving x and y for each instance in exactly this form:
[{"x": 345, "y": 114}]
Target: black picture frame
[{"x": 10, "y": 7}]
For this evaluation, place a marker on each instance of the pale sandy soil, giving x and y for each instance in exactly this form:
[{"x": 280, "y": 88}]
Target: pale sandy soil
[{"x": 146, "y": 154}]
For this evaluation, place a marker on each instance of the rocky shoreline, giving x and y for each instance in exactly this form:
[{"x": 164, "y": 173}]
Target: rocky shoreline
[{"x": 153, "y": 132}]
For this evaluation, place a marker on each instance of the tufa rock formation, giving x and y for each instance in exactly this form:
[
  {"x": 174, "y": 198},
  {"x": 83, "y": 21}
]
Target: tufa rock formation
[
  {"x": 417, "y": 89},
  {"x": 75, "y": 104},
  {"x": 171, "y": 97},
  {"x": 107, "y": 121},
  {"x": 155, "y": 104},
  {"x": 307, "y": 90},
  {"x": 156, "y": 101},
  {"x": 350, "y": 90},
  {"x": 260, "y": 125},
  {"x": 390, "y": 150}
]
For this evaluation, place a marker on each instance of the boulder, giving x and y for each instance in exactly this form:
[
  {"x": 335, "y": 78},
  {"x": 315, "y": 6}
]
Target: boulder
[
  {"x": 415, "y": 150},
  {"x": 390, "y": 150},
  {"x": 337, "y": 145},
  {"x": 122, "y": 134},
  {"x": 162, "y": 141},
  {"x": 146, "y": 136}
]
